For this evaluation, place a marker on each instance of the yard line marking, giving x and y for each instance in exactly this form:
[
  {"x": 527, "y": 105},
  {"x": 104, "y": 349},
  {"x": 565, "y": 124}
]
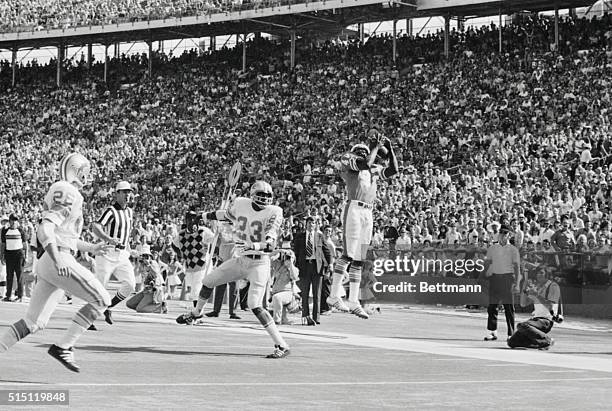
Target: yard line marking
[
  {"x": 302, "y": 384},
  {"x": 497, "y": 353}
]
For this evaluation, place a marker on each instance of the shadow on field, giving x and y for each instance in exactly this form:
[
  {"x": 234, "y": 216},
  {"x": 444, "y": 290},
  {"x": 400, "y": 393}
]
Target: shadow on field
[{"x": 151, "y": 350}]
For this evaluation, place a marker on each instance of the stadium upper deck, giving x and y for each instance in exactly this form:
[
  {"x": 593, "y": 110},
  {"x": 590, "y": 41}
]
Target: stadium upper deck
[{"x": 114, "y": 23}]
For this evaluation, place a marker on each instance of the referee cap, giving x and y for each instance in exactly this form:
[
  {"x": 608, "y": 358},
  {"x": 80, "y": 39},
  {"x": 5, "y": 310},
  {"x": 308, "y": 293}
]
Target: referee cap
[{"x": 123, "y": 185}]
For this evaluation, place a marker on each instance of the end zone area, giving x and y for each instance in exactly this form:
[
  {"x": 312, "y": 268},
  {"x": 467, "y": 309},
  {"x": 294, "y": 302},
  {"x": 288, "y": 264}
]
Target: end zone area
[{"x": 403, "y": 358}]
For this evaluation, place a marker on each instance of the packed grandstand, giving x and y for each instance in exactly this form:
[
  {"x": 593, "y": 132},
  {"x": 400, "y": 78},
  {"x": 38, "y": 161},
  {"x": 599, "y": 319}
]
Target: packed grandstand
[{"x": 520, "y": 138}]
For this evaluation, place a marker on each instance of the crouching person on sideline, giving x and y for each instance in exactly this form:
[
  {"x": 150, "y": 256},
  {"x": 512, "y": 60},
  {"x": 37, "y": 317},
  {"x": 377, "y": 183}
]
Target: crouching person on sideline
[
  {"x": 533, "y": 333},
  {"x": 285, "y": 275},
  {"x": 151, "y": 298}
]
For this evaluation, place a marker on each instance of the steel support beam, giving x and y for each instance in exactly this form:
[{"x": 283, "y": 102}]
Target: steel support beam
[
  {"x": 89, "y": 55},
  {"x": 244, "y": 50},
  {"x": 500, "y": 31},
  {"x": 14, "y": 67},
  {"x": 105, "y": 63},
  {"x": 446, "y": 36},
  {"x": 60, "y": 63},
  {"x": 292, "y": 49},
  {"x": 150, "y": 58},
  {"x": 394, "y": 41},
  {"x": 556, "y": 28}
]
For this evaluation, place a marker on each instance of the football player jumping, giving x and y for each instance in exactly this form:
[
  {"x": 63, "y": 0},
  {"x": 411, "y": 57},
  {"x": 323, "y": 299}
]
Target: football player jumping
[
  {"x": 256, "y": 226},
  {"x": 58, "y": 271},
  {"x": 360, "y": 175}
]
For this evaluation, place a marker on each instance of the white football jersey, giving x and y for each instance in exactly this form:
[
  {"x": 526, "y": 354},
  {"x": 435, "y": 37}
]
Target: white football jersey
[
  {"x": 63, "y": 206},
  {"x": 253, "y": 226}
]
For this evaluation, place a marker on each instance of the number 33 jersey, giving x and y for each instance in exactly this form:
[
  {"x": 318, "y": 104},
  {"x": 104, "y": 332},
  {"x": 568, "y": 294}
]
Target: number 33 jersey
[
  {"x": 63, "y": 206},
  {"x": 253, "y": 226}
]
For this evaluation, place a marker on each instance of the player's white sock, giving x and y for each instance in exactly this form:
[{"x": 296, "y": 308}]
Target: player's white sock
[
  {"x": 340, "y": 269},
  {"x": 197, "y": 310},
  {"x": 336, "y": 287},
  {"x": 266, "y": 320},
  {"x": 73, "y": 333},
  {"x": 354, "y": 281},
  {"x": 204, "y": 295},
  {"x": 14, "y": 333}
]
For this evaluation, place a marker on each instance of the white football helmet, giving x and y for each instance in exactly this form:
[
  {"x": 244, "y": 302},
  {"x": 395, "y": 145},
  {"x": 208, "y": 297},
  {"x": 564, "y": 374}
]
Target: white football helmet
[
  {"x": 262, "y": 194},
  {"x": 75, "y": 168},
  {"x": 361, "y": 150}
]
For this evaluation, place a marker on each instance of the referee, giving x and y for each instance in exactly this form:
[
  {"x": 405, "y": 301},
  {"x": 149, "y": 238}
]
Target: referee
[
  {"x": 115, "y": 227},
  {"x": 502, "y": 267}
]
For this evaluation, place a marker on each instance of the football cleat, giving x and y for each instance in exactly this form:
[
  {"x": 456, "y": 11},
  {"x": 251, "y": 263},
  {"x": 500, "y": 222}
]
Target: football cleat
[
  {"x": 279, "y": 352},
  {"x": 65, "y": 356},
  {"x": 337, "y": 303},
  {"x": 187, "y": 318},
  {"x": 108, "y": 316},
  {"x": 356, "y": 309},
  {"x": 93, "y": 328}
]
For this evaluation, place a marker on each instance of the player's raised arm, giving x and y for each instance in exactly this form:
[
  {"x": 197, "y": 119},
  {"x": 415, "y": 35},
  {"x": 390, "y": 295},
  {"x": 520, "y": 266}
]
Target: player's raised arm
[{"x": 392, "y": 169}]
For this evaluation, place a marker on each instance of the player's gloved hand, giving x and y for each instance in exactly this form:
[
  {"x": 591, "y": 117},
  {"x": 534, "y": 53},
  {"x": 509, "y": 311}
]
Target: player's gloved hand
[{"x": 102, "y": 248}]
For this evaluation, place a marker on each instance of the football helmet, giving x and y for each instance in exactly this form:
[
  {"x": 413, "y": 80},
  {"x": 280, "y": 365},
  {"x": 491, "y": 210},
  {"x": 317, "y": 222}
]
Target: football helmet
[
  {"x": 361, "y": 150},
  {"x": 261, "y": 193},
  {"x": 75, "y": 168}
]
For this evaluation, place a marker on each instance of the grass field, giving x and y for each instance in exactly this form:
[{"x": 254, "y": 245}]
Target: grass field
[{"x": 404, "y": 358}]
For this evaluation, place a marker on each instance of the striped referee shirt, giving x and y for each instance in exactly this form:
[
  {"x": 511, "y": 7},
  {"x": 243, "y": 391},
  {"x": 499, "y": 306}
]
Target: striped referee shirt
[{"x": 117, "y": 223}]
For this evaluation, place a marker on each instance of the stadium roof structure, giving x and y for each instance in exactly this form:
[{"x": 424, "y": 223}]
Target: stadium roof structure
[{"x": 301, "y": 18}]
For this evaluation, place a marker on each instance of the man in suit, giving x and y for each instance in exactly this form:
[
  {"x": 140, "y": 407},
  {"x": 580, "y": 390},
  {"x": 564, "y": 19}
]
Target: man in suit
[
  {"x": 308, "y": 249},
  {"x": 329, "y": 252}
]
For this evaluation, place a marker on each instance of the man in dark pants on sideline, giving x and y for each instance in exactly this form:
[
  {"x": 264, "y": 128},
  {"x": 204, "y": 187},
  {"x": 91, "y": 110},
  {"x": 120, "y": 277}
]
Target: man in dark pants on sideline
[
  {"x": 308, "y": 249},
  {"x": 13, "y": 254},
  {"x": 225, "y": 251},
  {"x": 502, "y": 267},
  {"x": 329, "y": 254}
]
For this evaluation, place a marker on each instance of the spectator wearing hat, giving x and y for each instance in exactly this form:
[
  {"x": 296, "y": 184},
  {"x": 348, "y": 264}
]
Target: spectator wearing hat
[
  {"x": 13, "y": 254},
  {"x": 502, "y": 267}
]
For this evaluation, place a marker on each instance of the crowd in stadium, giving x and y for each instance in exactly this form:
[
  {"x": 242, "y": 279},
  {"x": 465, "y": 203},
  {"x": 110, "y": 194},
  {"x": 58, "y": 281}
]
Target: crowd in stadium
[
  {"x": 20, "y": 15},
  {"x": 484, "y": 139}
]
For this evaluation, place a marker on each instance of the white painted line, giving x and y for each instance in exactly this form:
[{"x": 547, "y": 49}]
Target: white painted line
[
  {"x": 311, "y": 384},
  {"x": 493, "y": 353},
  {"x": 452, "y": 359},
  {"x": 563, "y": 371}
]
